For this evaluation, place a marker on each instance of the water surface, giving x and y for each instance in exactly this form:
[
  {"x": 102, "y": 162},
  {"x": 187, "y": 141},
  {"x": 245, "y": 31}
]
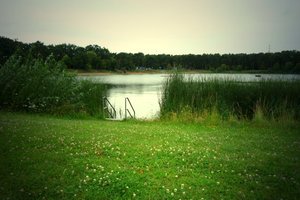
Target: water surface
[{"x": 144, "y": 90}]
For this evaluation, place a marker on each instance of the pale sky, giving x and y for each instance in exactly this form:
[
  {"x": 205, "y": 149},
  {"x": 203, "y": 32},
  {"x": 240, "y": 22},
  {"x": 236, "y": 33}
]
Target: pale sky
[{"x": 157, "y": 26}]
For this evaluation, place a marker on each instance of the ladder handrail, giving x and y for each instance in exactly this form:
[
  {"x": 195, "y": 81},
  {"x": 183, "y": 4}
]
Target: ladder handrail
[
  {"x": 126, "y": 110},
  {"x": 112, "y": 115}
]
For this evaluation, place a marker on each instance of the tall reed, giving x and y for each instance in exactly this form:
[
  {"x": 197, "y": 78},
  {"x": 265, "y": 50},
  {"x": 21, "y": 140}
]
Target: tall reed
[
  {"x": 45, "y": 87},
  {"x": 243, "y": 100}
]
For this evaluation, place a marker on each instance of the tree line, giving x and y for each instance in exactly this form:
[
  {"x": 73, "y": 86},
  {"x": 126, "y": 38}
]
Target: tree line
[{"x": 94, "y": 57}]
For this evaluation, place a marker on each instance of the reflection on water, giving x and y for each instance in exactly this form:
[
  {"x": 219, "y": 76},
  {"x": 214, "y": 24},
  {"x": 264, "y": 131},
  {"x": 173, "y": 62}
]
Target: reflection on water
[
  {"x": 144, "y": 99},
  {"x": 144, "y": 90}
]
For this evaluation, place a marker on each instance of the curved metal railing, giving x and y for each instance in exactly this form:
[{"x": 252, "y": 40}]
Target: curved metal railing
[
  {"x": 127, "y": 110},
  {"x": 108, "y": 107}
]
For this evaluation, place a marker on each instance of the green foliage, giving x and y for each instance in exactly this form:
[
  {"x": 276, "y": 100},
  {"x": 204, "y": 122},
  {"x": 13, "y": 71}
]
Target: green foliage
[
  {"x": 95, "y": 57},
  {"x": 45, "y": 86},
  {"x": 273, "y": 99},
  {"x": 222, "y": 68},
  {"x": 297, "y": 68}
]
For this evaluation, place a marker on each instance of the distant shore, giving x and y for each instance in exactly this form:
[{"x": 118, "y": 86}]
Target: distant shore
[{"x": 102, "y": 72}]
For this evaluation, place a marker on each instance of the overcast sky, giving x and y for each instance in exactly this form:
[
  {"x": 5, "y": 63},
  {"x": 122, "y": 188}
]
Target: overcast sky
[{"x": 157, "y": 26}]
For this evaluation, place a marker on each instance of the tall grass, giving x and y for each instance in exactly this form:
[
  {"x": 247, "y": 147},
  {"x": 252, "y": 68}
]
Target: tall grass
[
  {"x": 266, "y": 99},
  {"x": 45, "y": 87}
]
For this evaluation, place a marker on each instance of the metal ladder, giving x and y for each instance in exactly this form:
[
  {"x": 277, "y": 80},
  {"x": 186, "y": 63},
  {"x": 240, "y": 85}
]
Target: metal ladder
[
  {"x": 127, "y": 110},
  {"x": 109, "y": 109}
]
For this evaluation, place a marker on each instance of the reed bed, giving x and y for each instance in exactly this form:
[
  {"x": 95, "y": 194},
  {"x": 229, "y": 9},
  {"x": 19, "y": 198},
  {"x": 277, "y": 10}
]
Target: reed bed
[
  {"x": 226, "y": 99},
  {"x": 44, "y": 86}
]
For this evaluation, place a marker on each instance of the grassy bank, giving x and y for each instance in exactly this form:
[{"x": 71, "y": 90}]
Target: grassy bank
[
  {"x": 227, "y": 99},
  {"x": 52, "y": 158},
  {"x": 44, "y": 86}
]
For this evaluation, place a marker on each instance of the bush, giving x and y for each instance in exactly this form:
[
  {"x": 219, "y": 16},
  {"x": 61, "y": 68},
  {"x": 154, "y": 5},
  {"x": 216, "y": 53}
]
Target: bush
[{"x": 45, "y": 87}]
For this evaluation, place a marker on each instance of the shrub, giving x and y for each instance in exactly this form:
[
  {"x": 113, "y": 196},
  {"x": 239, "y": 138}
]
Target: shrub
[{"x": 45, "y": 87}]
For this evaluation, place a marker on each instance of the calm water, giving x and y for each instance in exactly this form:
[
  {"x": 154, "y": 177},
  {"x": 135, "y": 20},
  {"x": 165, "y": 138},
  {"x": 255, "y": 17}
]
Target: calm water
[{"x": 144, "y": 90}]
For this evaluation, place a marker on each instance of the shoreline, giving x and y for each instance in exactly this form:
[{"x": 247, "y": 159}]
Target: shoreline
[{"x": 103, "y": 73}]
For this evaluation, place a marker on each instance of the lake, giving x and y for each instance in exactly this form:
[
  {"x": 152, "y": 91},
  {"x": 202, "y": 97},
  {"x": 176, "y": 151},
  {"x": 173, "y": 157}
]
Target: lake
[{"x": 144, "y": 90}]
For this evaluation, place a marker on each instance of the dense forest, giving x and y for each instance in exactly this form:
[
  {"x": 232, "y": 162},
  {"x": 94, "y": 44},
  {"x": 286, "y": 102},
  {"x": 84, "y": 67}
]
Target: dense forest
[{"x": 94, "y": 57}]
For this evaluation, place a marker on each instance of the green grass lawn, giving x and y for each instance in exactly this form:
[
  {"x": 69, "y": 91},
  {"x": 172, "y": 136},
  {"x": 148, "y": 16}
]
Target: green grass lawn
[{"x": 44, "y": 157}]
